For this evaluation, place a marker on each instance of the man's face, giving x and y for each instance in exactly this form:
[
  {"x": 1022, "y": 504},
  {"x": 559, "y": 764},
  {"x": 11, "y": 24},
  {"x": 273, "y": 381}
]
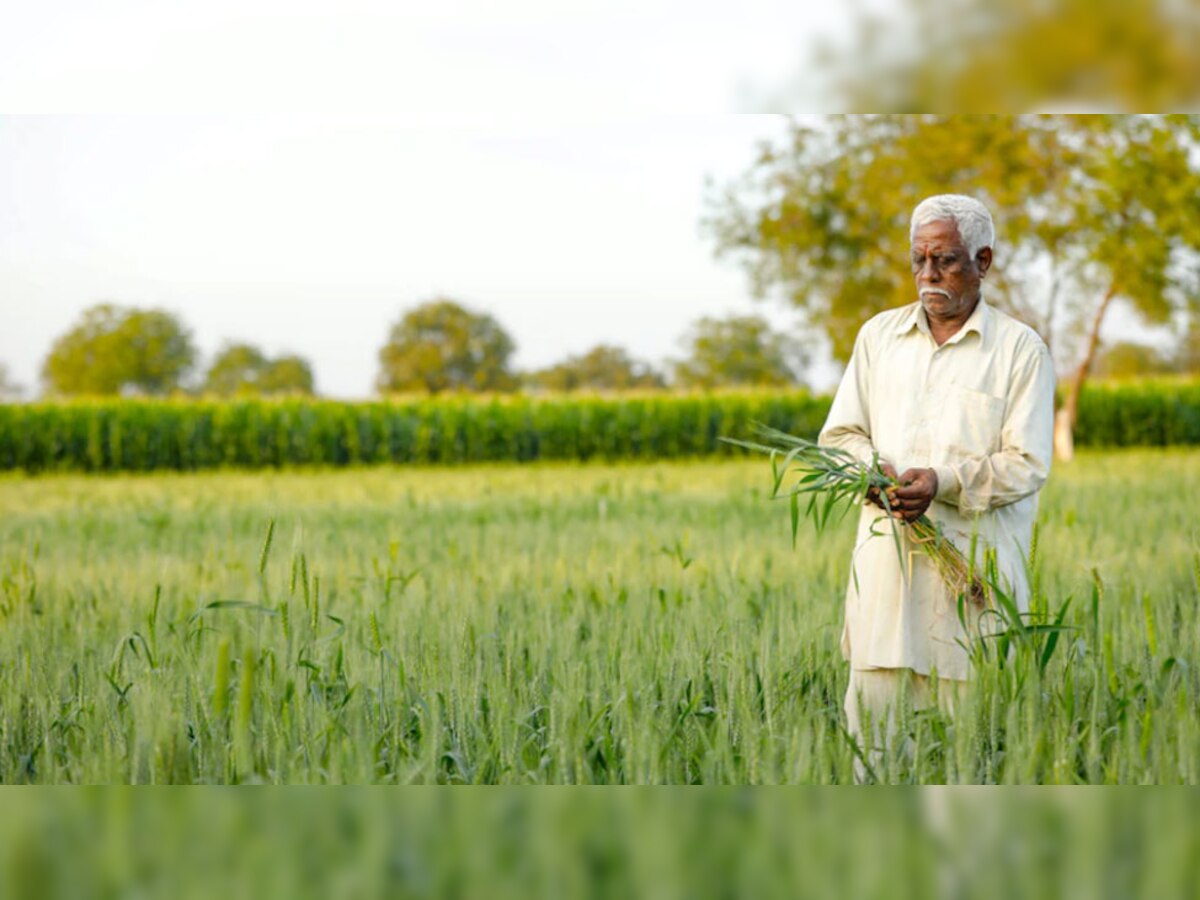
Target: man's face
[{"x": 946, "y": 276}]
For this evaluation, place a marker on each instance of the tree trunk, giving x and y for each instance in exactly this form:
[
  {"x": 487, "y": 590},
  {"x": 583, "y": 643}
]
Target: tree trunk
[
  {"x": 1064, "y": 440},
  {"x": 1064, "y": 421}
]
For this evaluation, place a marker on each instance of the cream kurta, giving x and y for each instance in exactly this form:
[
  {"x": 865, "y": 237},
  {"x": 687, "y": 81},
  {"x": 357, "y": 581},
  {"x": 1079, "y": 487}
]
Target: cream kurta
[{"x": 979, "y": 410}]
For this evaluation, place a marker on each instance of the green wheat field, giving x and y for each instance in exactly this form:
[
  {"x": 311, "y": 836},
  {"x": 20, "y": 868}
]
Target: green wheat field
[{"x": 556, "y": 623}]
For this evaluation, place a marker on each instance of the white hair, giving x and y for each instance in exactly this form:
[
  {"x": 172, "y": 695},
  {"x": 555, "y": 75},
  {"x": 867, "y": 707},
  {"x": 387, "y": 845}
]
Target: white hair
[{"x": 972, "y": 218}]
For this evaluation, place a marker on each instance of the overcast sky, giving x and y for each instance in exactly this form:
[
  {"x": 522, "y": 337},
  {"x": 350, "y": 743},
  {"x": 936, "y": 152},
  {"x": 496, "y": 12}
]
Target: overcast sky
[
  {"x": 313, "y": 234},
  {"x": 335, "y": 164},
  {"x": 498, "y": 56},
  {"x": 297, "y": 174}
]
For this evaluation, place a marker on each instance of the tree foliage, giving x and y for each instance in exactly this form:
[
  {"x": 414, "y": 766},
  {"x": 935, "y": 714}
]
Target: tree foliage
[
  {"x": 738, "y": 351},
  {"x": 235, "y": 369},
  {"x": 442, "y": 346},
  {"x": 287, "y": 374},
  {"x": 120, "y": 350},
  {"x": 243, "y": 369},
  {"x": 1135, "y": 233},
  {"x": 1023, "y": 54},
  {"x": 603, "y": 368}
]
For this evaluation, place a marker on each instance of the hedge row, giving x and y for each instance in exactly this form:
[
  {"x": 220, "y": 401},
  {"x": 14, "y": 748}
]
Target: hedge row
[
  {"x": 140, "y": 435},
  {"x": 1151, "y": 413}
]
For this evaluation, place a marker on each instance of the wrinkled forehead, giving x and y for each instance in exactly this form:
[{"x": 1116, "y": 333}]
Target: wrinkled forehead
[{"x": 941, "y": 233}]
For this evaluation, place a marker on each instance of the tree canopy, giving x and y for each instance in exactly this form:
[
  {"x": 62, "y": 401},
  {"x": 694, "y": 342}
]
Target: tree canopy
[
  {"x": 443, "y": 346},
  {"x": 235, "y": 369},
  {"x": 116, "y": 349},
  {"x": 738, "y": 351},
  {"x": 1023, "y": 54},
  {"x": 287, "y": 374},
  {"x": 603, "y": 368},
  {"x": 244, "y": 369}
]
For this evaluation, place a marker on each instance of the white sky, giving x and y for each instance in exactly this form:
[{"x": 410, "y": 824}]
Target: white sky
[
  {"x": 297, "y": 174},
  {"x": 498, "y": 56}
]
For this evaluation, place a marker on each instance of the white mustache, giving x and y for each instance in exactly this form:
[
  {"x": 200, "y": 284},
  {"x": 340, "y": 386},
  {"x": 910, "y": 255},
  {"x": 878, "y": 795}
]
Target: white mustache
[{"x": 945, "y": 294}]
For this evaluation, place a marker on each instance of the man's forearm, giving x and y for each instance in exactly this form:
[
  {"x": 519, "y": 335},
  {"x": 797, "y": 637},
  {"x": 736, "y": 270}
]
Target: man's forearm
[{"x": 978, "y": 484}]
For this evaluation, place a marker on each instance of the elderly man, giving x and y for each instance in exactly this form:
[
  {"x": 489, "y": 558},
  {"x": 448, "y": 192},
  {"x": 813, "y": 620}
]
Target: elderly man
[{"x": 958, "y": 398}]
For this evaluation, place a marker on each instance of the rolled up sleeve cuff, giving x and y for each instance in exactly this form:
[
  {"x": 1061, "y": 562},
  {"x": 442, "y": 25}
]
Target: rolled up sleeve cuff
[{"x": 948, "y": 487}]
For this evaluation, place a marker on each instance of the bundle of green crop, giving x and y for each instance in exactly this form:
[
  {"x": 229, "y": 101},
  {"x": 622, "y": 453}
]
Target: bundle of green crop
[{"x": 834, "y": 479}]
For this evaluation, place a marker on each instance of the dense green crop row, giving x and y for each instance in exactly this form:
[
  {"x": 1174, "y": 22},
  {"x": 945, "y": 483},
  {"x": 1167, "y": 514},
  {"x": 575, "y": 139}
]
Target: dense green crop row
[
  {"x": 1151, "y": 413},
  {"x": 128, "y": 435},
  {"x": 143, "y": 435}
]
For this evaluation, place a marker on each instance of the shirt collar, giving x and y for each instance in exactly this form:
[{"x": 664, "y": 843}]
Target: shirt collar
[{"x": 914, "y": 317}]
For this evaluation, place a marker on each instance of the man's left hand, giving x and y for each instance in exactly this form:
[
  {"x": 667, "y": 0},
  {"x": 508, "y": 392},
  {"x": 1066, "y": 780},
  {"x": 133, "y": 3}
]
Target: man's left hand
[{"x": 915, "y": 493}]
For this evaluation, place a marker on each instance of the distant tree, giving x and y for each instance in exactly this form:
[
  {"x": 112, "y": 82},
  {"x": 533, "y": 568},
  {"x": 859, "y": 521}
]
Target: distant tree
[
  {"x": 9, "y": 389},
  {"x": 245, "y": 369},
  {"x": 236, "y": 369},
  {"x": 287, "y": 375},
  {"x": 115, "y": 349},
  {"x": 603, "y": 368},
  {"x": 442, "y": 346},
  {"x": 1128, "y": 359},
  {"x": 737, "y": 351}
]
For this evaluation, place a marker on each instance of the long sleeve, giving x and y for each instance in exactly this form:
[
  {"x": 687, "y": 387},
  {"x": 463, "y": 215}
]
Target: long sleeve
[
  {"x": 848, "y": 426},
  {"x": 976, "y": 484}
]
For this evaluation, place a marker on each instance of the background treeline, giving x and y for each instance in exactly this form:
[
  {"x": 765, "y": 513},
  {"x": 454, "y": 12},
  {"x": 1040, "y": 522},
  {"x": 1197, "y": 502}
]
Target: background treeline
[
  {"x": 143, "y": 435},
  {"x": 435, "y": 347}
]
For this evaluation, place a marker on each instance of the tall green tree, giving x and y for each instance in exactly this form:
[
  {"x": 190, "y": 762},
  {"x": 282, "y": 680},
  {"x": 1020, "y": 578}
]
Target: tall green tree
[
  {"x": 443, "y": 346},
  {"x": 116, "y": 349},
  {"x": 738, "y": 351},
  {"x": 1089, "y": 210},
  {"x": 603, "y": 368},
  {"x": 1135, "y": 226},
  {"x": 244, "y": 369}
]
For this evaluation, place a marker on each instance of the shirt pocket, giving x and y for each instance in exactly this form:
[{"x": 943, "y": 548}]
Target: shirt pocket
[{"x": 971, "y": 422}]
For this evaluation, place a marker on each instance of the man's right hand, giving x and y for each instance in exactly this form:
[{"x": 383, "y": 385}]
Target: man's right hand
[{"x": 873, "y": 493}]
